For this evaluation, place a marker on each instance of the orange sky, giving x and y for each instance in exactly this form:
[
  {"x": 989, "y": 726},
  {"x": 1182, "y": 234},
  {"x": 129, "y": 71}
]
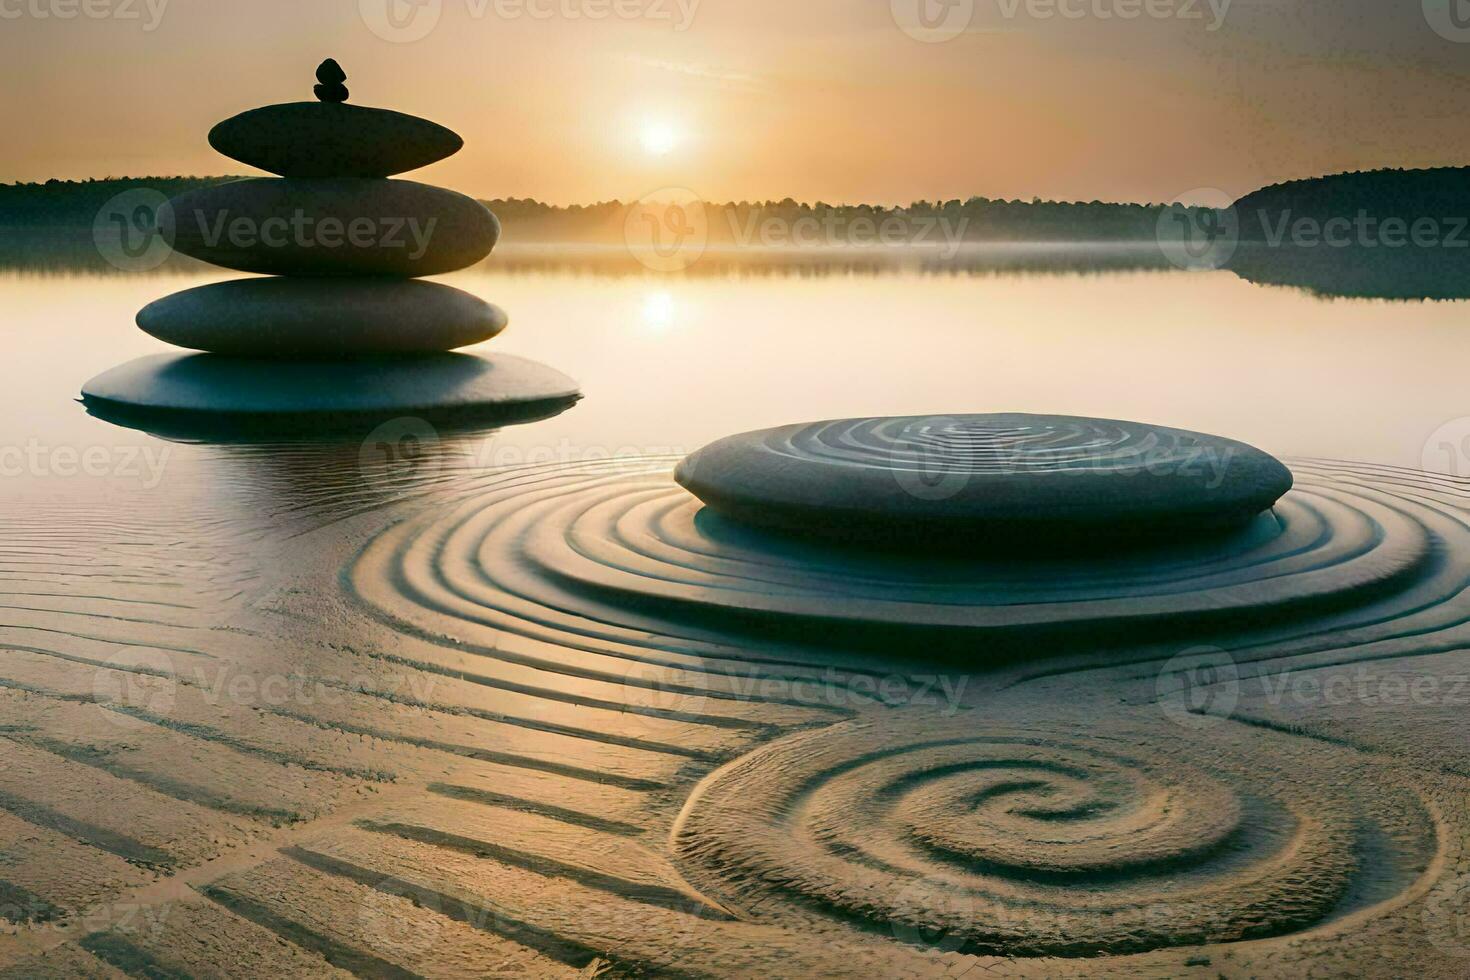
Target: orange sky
[{"x": 566, "y": 100}]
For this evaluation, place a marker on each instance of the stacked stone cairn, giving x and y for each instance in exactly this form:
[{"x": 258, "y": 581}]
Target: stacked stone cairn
[{"x": 342, "y": 243}]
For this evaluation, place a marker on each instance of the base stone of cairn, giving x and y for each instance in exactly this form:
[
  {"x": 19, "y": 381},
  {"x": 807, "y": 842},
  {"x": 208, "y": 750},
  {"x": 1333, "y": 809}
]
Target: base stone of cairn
[
  {"x": 205, "y": 395},
  {"x": 341, "y": 328}
]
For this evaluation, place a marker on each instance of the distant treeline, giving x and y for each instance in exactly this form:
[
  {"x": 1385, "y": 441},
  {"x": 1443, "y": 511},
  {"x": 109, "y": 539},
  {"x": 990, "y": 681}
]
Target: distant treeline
[
  {"x": 1365, "y": 200},
  {"x": 76, "y": 204},
  {"x": 1293, "y": 209},
  {"x": 788, "y": 222}
]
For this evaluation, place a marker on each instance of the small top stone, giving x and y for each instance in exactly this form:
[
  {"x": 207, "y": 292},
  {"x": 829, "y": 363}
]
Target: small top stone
[
  {"x": 330, "y": 73},
  {"x": 331, "y": 76}
]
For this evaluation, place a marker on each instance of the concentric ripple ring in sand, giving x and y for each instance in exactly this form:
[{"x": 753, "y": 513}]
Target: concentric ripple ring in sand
[{"x": 616, "y": 551}]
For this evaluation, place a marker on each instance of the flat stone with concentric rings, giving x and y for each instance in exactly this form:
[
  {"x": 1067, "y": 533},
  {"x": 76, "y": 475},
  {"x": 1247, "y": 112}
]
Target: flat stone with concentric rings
[{"x": 1005, "y": 478}]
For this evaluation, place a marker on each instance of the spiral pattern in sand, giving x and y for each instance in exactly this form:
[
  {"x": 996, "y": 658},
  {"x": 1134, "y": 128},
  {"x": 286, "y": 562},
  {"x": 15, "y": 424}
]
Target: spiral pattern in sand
[{"x": 1041, "y": 842}]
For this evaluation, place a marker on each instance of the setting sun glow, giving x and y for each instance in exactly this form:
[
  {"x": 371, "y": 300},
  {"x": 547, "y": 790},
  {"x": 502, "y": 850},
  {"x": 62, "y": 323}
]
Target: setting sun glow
[
  {"x": 658, "y": 311},
  {"x": 658, "y": 138}
]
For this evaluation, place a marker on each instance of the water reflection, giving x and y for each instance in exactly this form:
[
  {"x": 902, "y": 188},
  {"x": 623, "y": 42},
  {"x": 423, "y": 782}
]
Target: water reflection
[
  {"x": 1346, "y": 379},
  {"x": 973, "y": 259},
  {"x": 65, "y": 252},
  {"x": 71, "y": 252},
  {"x": 279, "y": 487},
  {"x": 1358, "y": 272},
  {"x": 1385, "y": 274},
  {"x": 215, "y": 398}
]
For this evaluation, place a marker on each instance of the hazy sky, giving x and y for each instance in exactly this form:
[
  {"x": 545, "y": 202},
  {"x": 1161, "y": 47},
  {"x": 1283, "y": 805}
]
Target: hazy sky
[{"x": 583, "y": 100}]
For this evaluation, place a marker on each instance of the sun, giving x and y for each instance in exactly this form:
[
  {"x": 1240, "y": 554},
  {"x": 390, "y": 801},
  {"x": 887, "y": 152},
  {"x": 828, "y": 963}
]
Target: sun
[
  {"x": 658, "y": 311},
  {"x": 659, "y": 138}
]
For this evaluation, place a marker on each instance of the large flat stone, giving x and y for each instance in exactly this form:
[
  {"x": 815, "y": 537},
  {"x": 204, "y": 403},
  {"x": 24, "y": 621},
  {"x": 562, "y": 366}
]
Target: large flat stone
[
  {"x": 978, "y": 479},
  {"x": 322, "y": 227},
  {"x": 294, "y": 317},
  {"x": 324, "y": 139},
  {"x": 181, "y": 394}
]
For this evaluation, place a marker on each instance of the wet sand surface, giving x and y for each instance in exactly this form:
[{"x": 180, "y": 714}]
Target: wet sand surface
[{"x": 390, "y": 727}]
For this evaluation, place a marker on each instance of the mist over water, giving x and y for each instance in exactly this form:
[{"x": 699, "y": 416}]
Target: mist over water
[{"x": 747, "y": 339}]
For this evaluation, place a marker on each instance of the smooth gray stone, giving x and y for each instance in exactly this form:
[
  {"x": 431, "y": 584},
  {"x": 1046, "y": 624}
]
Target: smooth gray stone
[
  {"x": 292, "y": 317},
  {"x": 346, "y": 227},
  {"x": 332, "y": 139},
  {"x": 177, "y": 391},
  {"x": 972, "y": 480}
]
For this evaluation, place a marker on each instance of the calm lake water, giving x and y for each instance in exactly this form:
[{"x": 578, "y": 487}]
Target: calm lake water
[{"x": 669, "y": 362}]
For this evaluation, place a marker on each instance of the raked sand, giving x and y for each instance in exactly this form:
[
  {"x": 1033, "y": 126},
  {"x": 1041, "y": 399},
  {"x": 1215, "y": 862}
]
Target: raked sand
[{"x": 550, "y": 721}]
